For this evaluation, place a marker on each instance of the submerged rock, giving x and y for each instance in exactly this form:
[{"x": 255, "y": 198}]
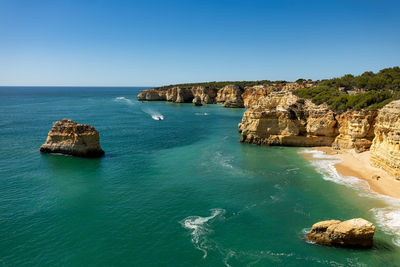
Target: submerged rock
[
  {"x": 351, "y": 233},
  {"x": 71, "y": 138}
]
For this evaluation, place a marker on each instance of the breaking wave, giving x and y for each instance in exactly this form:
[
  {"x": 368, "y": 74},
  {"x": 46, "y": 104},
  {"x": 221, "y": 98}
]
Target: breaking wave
[
  {"x": 201, "y": 114},
  {"x": 325, "y": 165},
  {"x": 199, "y": 229},
  {"x": 389, "y": 217}
]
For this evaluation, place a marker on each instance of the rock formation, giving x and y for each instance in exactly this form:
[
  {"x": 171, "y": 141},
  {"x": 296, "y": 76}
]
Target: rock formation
[
  {"x": 187, "y": 94},
  {"x": 277, "y": 117},
  {"x": 197, "y": 101},
  {"x": 385, "y": 149},
  {"x": 356, "y": 130},
  {"x": 71, "y": 138},
  {"x": 351, "y": 233},
  {"x": 231, "y": 96}
]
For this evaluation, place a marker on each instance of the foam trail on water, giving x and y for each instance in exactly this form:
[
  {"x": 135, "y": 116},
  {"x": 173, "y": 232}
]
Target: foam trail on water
[
  {"x": 387, "y": 217},
  {"x": 124, "y": 100},
  {"x": 155, "y": 115},
  {"x": 199, "y": 229}
]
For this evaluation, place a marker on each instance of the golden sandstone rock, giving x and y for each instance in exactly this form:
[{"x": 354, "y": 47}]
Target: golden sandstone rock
[
  {"x": 71, "y": 138},
  {"x": 385, "y": 149},
  {"x": 277, "y": 117},
  {"x": 351, "y": 233},
  {"x": 356, "y": 130}
]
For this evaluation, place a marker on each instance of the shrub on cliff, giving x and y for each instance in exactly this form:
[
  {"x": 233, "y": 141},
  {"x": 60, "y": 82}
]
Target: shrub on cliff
[
  {"x": 341, "y": 101},
  {"x": 385, "y": 79},
  {"x": 377, "y": 89}
]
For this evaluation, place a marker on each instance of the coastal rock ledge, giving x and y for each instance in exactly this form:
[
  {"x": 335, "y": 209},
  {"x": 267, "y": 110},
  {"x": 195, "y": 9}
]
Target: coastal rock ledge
[
  {"x": 71, "y": 138},
  {"x": 351, "y": 233}
]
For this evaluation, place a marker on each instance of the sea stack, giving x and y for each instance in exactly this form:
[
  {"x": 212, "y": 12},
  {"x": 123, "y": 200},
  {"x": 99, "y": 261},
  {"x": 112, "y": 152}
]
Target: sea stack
[
  {"x": 351, "y": 233},
  {"x": 71, "y": 138}
]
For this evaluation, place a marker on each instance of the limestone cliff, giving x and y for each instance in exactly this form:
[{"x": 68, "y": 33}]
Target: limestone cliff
[
  {"x": 281, "y": 118},
  {"x": 71, "y": 138},
  {"x": 277, "y": 117},
  {"x": 230, "y": 96},
  {"x": 385, "y": 149},
  {"x": 356, "y": 130}
]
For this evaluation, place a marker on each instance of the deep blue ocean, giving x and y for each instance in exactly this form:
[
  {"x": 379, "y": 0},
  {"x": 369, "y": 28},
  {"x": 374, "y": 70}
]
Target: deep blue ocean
[{"x": 182, "y": 191}]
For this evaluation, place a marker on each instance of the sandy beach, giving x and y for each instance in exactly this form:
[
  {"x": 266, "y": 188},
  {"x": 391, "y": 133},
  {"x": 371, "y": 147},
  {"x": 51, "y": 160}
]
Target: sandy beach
[{"x": 358, "y": 165}]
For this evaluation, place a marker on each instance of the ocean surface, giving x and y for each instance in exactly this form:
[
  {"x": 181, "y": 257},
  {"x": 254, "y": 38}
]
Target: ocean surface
[{"x": 182, "y": 191}]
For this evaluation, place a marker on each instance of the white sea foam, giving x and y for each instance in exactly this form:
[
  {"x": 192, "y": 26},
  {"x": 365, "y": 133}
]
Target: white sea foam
[
  {"x": 388, "y": 217},
  {"x": 201, "y": 114},
  {"x": 124, "y": 100},
  {"x": 199, "y": 228},
  {"x": 224, "y": 161},
  {"x": 325, "y": 165}
]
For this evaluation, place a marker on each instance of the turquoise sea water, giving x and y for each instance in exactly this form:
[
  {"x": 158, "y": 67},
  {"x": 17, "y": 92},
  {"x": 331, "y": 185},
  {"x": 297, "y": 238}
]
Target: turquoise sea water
[{"x": 177, "y": 192}]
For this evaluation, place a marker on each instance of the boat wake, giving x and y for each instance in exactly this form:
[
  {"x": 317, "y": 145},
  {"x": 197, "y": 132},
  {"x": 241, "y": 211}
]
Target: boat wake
[
  {"x": 155, "y": 115},
  {"x": 199, "y": 227},
  {"x": 123, "y": 100}
]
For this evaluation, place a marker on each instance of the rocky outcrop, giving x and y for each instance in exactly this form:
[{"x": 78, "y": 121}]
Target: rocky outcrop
[
  {"x": 71, "y": 138},
  {"x": 231, "y": 96},
  {"x": 385, "y": 149},
  {"x": 356, "y": 130},
  {"x": 152, "y": 95},
  {"x": 351, "y": 233},
  {"x": 280, "y": 118},
  {"x": 197, "y": 101}
]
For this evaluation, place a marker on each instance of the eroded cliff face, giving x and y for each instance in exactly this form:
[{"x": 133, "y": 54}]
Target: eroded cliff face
[
  {"x": 385, "y": 149},
  {"x": 277, "y": 117},
  {"x": 230, "y": 95},
  {"x": 356, "y": 130},
  {"x": 71, "y": 138},
  {"x": 281, "y": 118}
]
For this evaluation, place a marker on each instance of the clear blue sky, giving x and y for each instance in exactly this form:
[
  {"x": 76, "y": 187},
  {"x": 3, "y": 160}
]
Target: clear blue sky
[{"x": 149, "y": 42}]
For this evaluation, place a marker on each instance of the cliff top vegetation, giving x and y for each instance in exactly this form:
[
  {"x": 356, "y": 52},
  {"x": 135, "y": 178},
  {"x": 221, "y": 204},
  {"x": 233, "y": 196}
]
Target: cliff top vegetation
[{"x": 366, "y": 91}]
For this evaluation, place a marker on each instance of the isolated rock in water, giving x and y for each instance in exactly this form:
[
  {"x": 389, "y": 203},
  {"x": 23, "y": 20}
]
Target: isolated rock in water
[
  {"x": 197, "y": 101},
  {"x": 71, "y": 138},
  {"x": 351, "y": 233}
]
